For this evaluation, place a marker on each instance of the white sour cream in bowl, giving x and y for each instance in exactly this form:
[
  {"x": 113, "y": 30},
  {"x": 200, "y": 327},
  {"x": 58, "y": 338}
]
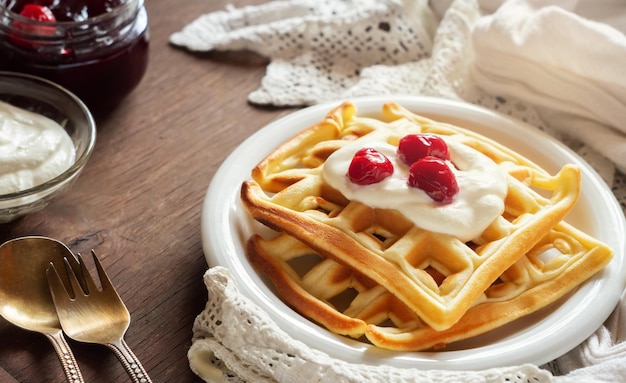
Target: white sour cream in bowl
[{"x": 33, "y": 149}]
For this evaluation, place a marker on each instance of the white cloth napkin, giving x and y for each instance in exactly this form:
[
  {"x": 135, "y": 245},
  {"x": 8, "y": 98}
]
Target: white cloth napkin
[
  {"x": 544, "y": 62},
  {"x": 570, "y": 68}
]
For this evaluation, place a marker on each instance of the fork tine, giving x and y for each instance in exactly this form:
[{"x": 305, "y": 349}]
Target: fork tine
[
  {"x": 74, "y": 282},
  {"x": 54, "y": 282},
  {"x": 105, "y": 282}
]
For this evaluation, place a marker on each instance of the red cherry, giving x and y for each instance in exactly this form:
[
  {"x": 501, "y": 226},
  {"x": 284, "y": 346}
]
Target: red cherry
[
  {"x": 434, "y": 176},
  {"x": 38, "y": 12},
  {"x": 35, "y": 12},
  {"x": 412, "y": 147},
  {"x": 369, "y": 166}
]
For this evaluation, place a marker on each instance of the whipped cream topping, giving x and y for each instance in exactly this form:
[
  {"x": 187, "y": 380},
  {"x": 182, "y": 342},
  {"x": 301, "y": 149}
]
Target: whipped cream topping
[
  {"x": 480, "y": 200},
  {"x": 33, "y": 149}
]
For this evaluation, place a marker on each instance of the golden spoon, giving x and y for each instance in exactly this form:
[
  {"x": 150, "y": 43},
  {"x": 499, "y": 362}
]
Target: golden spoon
[{"x": 25, "y": 298}]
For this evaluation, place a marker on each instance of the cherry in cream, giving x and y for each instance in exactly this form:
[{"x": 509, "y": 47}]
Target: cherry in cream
[
  {"x": 434, "y": 177},
  {"x": 369, "y": 166},
  {"x": 412, "y": 147},
  {"x": 424, "y": 153}
]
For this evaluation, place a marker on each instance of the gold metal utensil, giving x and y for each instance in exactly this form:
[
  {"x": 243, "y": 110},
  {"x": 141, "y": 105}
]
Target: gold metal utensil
[
  {"x": 94, "y": 315},
  {"x": 25, "y": 297}
]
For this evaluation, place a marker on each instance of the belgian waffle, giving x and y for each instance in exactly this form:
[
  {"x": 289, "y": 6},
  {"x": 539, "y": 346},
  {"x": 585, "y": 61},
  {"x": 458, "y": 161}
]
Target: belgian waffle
[{"x": 407, "y": 288}]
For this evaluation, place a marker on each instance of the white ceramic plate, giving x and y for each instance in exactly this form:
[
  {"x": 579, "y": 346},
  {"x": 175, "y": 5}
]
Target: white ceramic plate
[{"x": 537, "y": 338}]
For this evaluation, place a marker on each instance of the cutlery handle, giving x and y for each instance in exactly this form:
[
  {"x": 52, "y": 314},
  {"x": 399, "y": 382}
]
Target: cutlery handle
[
  {"x": 70, "y": 367},
  {"x": 132, "y": 365}
]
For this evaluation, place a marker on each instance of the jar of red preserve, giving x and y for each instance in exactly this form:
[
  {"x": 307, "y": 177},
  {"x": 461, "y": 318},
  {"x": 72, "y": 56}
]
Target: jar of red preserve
[{"x": 98, "y": 49}]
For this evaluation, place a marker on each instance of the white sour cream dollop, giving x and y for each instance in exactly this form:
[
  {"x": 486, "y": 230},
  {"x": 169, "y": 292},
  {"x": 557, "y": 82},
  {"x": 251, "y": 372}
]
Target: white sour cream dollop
[
  {"x": 33, "y": 149},
  {"x": 480, "y": 200}
]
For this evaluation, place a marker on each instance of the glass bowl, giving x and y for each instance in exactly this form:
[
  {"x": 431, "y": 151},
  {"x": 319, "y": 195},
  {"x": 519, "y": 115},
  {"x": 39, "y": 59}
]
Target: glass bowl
[{"x": 44, "y": 97}]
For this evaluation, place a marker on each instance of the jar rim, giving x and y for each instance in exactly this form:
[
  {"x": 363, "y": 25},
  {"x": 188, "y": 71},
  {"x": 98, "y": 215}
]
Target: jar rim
[{"x": 123, "y": 7}]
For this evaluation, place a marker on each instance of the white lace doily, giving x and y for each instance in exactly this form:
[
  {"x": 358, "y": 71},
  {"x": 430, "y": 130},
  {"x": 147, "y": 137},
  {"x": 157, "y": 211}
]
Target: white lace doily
[
  {"x": 231, "y": 319},
  {"x": 236, "y": 342}
]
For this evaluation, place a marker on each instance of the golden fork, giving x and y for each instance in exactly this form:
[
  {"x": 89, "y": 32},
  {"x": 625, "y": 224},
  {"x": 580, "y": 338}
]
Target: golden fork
[{"x": 94, "y": 315}]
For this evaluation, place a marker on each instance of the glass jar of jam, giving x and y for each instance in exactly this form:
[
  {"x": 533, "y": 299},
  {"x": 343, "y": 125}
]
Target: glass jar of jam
[{"x": 98, "y": 49}]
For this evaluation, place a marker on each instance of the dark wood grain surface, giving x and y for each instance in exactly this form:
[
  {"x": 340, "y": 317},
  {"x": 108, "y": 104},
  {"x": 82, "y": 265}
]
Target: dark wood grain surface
[{"x": 138, "y": 202}]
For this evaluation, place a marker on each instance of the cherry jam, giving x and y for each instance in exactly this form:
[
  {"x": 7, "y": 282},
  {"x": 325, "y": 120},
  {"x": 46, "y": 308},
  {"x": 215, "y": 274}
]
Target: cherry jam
[{"x": 98, "y": 49}]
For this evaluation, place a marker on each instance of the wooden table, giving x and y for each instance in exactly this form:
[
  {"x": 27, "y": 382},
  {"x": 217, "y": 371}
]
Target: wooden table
[{"x": 138, "y": 202}]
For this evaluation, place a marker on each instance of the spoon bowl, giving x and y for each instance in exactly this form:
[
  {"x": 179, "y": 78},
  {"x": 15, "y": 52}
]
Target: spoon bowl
[{"x": 25, "y": 298}]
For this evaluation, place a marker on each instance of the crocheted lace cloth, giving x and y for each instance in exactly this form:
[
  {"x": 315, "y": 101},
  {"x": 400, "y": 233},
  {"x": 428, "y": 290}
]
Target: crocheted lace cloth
[
  {"x": 517, "y": 58},
  {"x": 236, "y": 342}
]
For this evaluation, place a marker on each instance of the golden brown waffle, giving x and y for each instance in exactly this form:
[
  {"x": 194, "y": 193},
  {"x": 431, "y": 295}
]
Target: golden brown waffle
[{"x": 364, "y": 271}]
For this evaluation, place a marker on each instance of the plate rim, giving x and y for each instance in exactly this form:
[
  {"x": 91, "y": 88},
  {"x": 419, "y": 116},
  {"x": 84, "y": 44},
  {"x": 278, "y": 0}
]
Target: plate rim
[{"x": 217, "y": 215}]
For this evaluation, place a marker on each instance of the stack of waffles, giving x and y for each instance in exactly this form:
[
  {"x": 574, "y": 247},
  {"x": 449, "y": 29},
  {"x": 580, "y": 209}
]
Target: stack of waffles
[{"x": 373, "y": 274}]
